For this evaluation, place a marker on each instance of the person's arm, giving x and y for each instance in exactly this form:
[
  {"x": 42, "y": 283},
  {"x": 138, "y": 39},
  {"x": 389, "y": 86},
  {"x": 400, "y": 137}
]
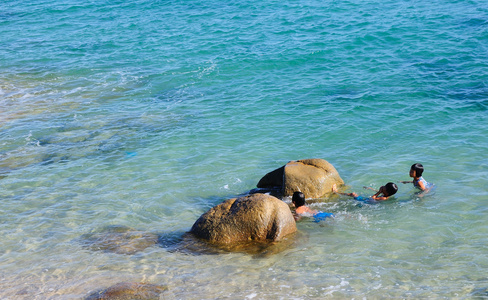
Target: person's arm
[
  {"x": 377, "y": 198},
  {"x": 422, "y": 185},
  {"x": 334, "y": 190},
  {"x": 348, "y": 194}
]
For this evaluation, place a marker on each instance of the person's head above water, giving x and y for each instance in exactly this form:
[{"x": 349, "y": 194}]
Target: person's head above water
[
  {"x": 389, "y": 189},
  {"x": 298, "y": 199},
  {"x": 418, "y": 169}
]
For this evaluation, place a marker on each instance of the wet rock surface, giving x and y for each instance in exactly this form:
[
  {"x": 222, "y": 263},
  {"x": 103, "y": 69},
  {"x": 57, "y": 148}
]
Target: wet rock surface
[
  {"x": 313, "y": 177},
  {"x": 248, "y": 219}
]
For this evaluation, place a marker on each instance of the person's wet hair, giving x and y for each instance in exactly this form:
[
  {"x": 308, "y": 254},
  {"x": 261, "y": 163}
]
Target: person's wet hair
[
  {"x": 418, "y": 168},
  {"x": 298, "y": 198},
  {"x": 391, "y": 189}
]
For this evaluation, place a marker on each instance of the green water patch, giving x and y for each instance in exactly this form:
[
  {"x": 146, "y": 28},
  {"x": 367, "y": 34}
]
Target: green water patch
[
  {"x": 56, "y": 137},
  {"x": 479, "y": 293},
  {"x": 59, "y": 148}
]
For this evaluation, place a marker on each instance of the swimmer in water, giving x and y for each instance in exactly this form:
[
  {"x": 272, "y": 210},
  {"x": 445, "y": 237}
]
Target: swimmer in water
[
  {"x": 419, "y": 182},
  {"x": 301, "y": 210},
  {"x": 385, "y": 192}
]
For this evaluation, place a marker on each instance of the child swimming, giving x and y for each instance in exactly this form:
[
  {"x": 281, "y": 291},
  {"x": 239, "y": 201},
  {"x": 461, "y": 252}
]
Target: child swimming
[
  {"x": 419, "y": 182},
  {"x": 386, "y": 191},
  {"x": 301, "y": 210}
]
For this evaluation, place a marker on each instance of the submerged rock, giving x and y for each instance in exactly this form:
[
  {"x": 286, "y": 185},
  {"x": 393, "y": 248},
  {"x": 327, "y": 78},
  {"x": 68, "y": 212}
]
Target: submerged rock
[
  {"x": 313, "y": 177},
  {"x": 479, "y": 293},
  {"x": 129, "y": 291},
  {"x": 120, "y": 239},
  {"x": 196, "y": 246},
  {"x": 241, "y": 222}
]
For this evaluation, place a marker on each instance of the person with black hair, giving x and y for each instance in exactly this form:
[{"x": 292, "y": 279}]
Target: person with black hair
[
  {"x": 298, "y": 200},
  {"x": 419, "y": 182},
  {"x": 386, "y": 191},
  {"x": 302, "y": 210}
]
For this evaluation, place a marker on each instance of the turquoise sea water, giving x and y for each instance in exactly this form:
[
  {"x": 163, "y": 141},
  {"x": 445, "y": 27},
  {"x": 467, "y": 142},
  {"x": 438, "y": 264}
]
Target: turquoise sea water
[{"x": 147, "y": 113}]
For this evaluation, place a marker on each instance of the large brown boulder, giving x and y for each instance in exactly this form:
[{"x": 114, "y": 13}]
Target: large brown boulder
[
  {"x": 256, "y": 217},
  {"x": 313, "y": 177}
]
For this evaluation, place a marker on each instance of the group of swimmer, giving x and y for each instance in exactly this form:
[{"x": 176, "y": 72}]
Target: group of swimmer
[{"x": 384, "y": 192}]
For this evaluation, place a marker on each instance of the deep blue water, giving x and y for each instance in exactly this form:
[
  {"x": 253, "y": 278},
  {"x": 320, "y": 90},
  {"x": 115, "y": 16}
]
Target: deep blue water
[{"x": 147, "y": 113}]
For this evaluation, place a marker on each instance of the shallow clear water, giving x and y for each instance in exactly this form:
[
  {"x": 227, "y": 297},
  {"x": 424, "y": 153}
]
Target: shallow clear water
[{"x": 147, "y": 113}]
